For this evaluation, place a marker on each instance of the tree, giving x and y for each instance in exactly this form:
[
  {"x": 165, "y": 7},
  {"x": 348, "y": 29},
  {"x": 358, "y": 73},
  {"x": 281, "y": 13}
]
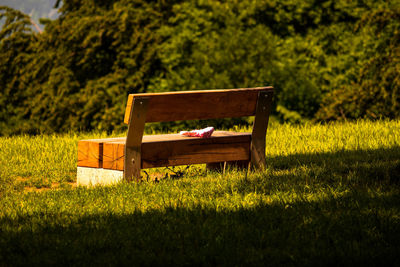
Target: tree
[
  {"x": 82, "y": 67},
  {"x": 16, "y": 47},
  {"x": 375, "y": 93}
]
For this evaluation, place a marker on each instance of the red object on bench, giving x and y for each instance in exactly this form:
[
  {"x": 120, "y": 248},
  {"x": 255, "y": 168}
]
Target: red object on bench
[{"x": 203, "y": 133}]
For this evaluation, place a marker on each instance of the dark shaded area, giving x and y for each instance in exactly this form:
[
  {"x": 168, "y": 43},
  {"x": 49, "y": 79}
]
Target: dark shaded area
[
  {"x": 368, "y": 166},
  {"x": 355, "y": 227},
  {"x": 317, "y": 233}
]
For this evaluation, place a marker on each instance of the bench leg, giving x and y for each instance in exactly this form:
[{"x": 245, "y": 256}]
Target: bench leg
[{"x": 132, "y": 164}]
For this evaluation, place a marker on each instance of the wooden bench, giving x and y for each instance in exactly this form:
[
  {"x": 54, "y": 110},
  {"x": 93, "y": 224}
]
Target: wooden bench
[{"x": 105, "y": 161}]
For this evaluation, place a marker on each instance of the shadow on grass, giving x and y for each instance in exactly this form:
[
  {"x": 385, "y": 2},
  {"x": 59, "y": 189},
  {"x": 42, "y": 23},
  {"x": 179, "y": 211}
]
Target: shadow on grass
[
  {"x": 381, "y": 165},
  {"x": 352, "y": 228}
]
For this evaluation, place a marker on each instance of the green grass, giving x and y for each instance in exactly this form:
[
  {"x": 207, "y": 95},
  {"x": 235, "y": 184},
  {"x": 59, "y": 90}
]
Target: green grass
[{"x": 330, "y": 195}]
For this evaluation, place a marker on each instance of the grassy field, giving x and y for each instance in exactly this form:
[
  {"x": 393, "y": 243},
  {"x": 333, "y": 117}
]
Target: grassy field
[{"x": 329, "y": 196}]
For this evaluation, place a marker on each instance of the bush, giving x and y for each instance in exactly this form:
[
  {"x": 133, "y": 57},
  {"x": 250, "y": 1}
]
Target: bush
[{"x": 376, "y": 91}]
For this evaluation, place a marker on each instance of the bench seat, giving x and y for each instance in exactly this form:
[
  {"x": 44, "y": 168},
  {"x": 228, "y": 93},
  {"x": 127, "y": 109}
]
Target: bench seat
[{"x": 166, "y": 150}]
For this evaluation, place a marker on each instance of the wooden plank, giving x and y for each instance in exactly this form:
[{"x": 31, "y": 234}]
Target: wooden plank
[
  {"x": 196, "y": 105},
  {"x": 175, "y": 153},
  {"x": 174, "y": 149},
  {"x": 90, "y": 151},
  {"x": 113, "y": 155}
]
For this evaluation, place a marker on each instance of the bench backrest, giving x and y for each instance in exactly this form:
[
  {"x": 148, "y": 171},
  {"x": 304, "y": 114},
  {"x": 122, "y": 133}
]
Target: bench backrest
[
  {"x": 198, "y": 105},
  {"x": 193, "y": 105}
]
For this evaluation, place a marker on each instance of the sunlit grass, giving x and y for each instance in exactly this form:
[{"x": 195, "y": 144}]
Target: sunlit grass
[{"x": 330, "y": 193}]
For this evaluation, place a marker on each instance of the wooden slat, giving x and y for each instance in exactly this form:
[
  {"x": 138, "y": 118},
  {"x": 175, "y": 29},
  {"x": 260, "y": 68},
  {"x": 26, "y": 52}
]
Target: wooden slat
[
  {"x": 198, "y": 151},
  {"x": 197, "y": 105},
  {"x": 90, "y": 152},
  {"x": 174, "y": 149}
]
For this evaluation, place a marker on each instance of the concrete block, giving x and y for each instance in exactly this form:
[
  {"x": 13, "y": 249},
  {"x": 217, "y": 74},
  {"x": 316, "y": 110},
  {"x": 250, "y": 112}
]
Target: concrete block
[{"x": 97, "y": 176}]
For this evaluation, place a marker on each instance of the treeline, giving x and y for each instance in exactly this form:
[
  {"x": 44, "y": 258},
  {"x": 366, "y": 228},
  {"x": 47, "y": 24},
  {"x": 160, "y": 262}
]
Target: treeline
[{"x": 327, "y": 60}]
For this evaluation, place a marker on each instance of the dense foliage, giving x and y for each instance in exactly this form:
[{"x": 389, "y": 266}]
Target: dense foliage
[
  {"x": 375, "y": 91},
  {"x": 326, "y": 59}
]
